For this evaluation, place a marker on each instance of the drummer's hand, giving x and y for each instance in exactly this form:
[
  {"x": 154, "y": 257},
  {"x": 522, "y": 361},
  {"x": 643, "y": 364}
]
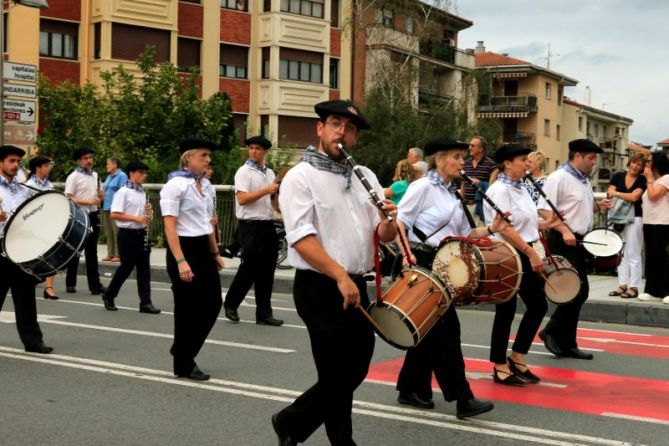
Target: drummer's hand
[
  {"x": 3, "y": 216},
  {"x": 390, "y": 207},
  {"x": 498, "y": 223},
  {"x": 405, "y": 260},
  {"x": 272, "y": 188},
  {"x": 185, "y": 273},
  {"x": 213, "y": 221},
  {"x": 536, "y": 262},
  {"x": 349, "y": 291},
  {"x": 569, "y": 238},
  {"x": 220, "y": 264},
  {"x": 605, "y": 203}
]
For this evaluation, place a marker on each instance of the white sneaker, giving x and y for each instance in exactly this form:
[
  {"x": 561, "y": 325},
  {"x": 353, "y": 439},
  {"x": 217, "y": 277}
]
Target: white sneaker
[
  {"x": 666, "y": 300},
  {"x": 648, "y": 298}
]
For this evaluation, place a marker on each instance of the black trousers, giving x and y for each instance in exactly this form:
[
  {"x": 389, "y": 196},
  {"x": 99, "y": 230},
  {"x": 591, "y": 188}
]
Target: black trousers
[
  {"x": 22, "y": 286},
  {"x": 440, "y": 351},
  {"x": 564, "y": 320},
  {"x": 91, "y": 256},
  {"x": 260, "y": 248},
  {"x": 342, "y": 343},
  {"x": 196, "y": 303},
  {"x": 532, "y": 292},
  {"x": 133, "y": 255},
  {"x": 657, "y": 259}
]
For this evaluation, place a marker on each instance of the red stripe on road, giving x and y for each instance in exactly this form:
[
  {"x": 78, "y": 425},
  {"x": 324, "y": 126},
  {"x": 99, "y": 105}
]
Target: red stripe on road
[{"x": 576, "y": 390}]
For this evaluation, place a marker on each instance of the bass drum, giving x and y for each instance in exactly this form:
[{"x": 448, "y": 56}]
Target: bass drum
[{"x": 605, "y": 249}]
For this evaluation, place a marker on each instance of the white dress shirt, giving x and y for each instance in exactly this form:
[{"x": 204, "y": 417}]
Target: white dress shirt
[
  {"x": 179, "y": 198},
  {"x": 428, "y": 207},
  {"x": 317, "y": 202},
  {"x": 32, "y": 182},
  {"x": 10, "y": 201},
  {"x": 129, "y": 201},
  {"x": 572, "y": 196},
  {"x": 248, "y": 179},
  {"x": 80, "y": 185},
  {"x": 524, "y": 216}
]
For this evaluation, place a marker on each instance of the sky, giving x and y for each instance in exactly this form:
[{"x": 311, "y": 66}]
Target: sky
[{"x": 620, "y": 49}]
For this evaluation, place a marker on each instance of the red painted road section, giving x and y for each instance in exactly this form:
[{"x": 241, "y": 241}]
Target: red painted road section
[
  {"x": 651, "y": 346},
  {"x": 585, "y": 392}
]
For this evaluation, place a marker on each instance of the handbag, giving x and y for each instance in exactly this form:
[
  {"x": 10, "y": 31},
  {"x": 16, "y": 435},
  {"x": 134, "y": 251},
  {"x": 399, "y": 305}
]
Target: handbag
[{"x": 622, "y": 212}]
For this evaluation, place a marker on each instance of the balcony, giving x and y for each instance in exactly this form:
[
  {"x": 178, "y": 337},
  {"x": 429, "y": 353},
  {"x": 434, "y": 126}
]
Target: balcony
[
  {"x": 524, "y": 103},
  {"x": 429, "y": 96},
  {"x": 438, "y": 50},
  {"x": 526, "y": 139}
]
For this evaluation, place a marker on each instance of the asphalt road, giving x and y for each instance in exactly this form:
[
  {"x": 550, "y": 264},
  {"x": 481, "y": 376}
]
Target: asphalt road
[{"x": 109, "y": 382}]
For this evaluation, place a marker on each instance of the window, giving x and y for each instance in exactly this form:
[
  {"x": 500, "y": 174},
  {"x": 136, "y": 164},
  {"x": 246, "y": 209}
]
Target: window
[
  {"x": 560, "y": 95},
  {"x": 191, "y": 1},
  {"x": 305, "y": 66},
  {"x": 547, "y": 127},
  {"x": 239, "y": 5},
  {"x": 129, "y": 41},
  {"x": 58, "y": 39},
  {"x": 547, "y": 92},
  {"x": 557, "y": 132},
  {"x": 267, "y": 6},
  {"x": 234, "y": 61},
  {"x": 334, "y": 73},
  {"x": 580, "y": 123},
  {"x": 596, "y": 131},
  {"x": 410, "y": 25},
  {"x": 97, "y": 29},
  {"x": 265, "y": 63},
  {"x": 188, "y": 54},
  {"x": 387, "y": 17},
  {"x": 312, "y": 8},
  {"x": 334, "y": 13}
]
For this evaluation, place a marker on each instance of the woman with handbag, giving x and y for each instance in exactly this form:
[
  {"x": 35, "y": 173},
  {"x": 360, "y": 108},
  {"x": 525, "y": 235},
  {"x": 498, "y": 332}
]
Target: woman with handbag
[{"x": 626, "y": 188}]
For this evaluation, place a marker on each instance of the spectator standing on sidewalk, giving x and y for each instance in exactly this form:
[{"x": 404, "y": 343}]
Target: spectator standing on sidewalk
[
  {"x": 114, "y": 181},
  {"x": 478, "y": 167}
]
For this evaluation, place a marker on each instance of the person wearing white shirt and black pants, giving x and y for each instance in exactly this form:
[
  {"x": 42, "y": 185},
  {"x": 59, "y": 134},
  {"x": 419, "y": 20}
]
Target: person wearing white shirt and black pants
[
  {"x": 193, "y": 259},
  {"x": 254, "y": 184},
  {"x": 330, "y": 223},
  {"x": 570, "y": 191},
  {"x": 132, "y": 214},
  {"x": 83, "y": 187},
  {"x": 22, "y": 284}
]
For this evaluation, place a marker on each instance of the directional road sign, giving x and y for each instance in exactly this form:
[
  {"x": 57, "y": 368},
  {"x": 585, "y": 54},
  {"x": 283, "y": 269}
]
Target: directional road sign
[
  {"x": 19, "y": 134},
  {"x": 20, "y": 91},
  {"x": 18, "y": 110},
  {"x": 19, "y": 72}
]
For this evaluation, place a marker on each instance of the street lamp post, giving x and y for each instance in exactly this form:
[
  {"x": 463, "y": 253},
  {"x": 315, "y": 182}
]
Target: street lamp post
[{"x": 40, "y": 4}]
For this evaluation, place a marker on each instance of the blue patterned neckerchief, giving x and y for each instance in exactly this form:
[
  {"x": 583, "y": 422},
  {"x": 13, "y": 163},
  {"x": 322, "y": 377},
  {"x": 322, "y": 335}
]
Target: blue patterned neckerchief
[
  {"x": 506, "y": 180},
  {"x": 185, "y": 173},
  {"x": 41, "y": 183},
  {"x": 133, "y": 186},
  {"x": 84, "y": 171},
  {"x": 13, "y": 186},
  {"x": 323, "y": 162},
  {"x": 583, "y": 178},
  {"x": 255, "y": 166},
  {"x": 436, "y": 179}
]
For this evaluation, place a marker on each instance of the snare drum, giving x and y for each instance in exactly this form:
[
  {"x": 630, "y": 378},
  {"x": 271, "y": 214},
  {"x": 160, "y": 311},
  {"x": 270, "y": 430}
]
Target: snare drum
[
  {"x": 410, "y": 307},
  {"x": 605, "y": 246},
  {"x": 44, "y": 233},
  {"x": 478, "y": 273},
  {"x": 562, "y": 282}
]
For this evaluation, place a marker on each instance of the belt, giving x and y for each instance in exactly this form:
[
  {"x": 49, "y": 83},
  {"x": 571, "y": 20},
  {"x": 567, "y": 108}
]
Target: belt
[{"x": 131, "y": 230}]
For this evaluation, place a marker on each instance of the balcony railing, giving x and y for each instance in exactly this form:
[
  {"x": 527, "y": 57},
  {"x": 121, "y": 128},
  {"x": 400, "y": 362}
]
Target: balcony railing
[
  {"x": 521, "y": 103},
  {"x": 430, "y": 96},
  {"x": 526, "y": 139},
  {"x": 438, "y": 50}
]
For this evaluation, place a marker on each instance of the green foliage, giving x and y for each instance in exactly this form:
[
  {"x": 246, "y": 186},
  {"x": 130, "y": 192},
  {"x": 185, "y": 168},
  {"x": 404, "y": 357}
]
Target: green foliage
[{"x": 135, "y": 117}]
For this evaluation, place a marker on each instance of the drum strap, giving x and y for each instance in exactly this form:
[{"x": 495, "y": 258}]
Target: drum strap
[
  {"x": 468, "y": 214},
  {"x": 484, "y": 242},
  {"x": 548, "y": 252},
  {"x": 377, "y": 263}
]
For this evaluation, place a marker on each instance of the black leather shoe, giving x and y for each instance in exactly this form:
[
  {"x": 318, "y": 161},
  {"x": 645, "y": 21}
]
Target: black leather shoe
[
  {"x": 577, "y": 353},
  {"x": 49, "y": 296},
  {"x": 284, "y": 437},
  {"x": 148, "y": 308},
  {"x": 231, "y": 314},
  {"x": 507, "y": 378},
  {"x": 270, "y": 321},
  {"x": 473, "y": 407},
  {"x": 71, "y": 289},
  {"x": 109, "y": 303},
  {"x": 411, "y": 399},
  {"x": 39, "y": 348},
  {"x": 551, "y": 343},
  {"x": 527, "y": 375},
  {"x": 196, "y": 374},
  {"x": 100, "y": 290}
]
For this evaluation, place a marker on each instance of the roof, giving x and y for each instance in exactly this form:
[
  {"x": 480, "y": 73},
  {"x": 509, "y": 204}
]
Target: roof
[
  {"x": 504, "y": 64},
  {"x": 491, "y": 59},
  {"x": 638, "y": 148},
  {"x": 598, "y": 111},
  {"x": 663, "y": 142}
]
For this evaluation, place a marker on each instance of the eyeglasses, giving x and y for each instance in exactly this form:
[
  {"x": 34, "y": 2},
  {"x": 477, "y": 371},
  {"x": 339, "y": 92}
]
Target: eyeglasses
[{"x": 337, "y": 125}]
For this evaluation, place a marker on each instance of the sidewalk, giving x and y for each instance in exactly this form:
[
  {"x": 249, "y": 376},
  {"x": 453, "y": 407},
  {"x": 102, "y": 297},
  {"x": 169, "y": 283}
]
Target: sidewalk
[{"x": 599, "y": 307}]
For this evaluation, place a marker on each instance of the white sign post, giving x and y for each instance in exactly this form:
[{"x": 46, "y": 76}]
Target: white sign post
[{"x": 18, "y": 110}]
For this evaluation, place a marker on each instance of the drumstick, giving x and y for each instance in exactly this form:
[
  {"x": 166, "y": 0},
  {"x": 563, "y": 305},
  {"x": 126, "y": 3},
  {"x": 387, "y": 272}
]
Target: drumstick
[
  {"x": 484, "y": 195},
  {"x": 543, "y": 276},
  {"x": 371, "y": 320},
  {"x": 591, "y": 243}
]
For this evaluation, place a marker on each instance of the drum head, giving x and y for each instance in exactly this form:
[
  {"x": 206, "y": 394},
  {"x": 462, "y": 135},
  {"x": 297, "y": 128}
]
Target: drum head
[
  {"x": 458, "y": 267},
  {"x": 564, "y": 285},
  {"x": 397, "y": 328},
  {"x": 605, "y": 242},
  {"x": 36, "y": 226}
]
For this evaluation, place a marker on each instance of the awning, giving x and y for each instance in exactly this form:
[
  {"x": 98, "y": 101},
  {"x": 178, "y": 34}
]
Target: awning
[
  {"x": 503, "y": 115},
  {"x": 508, "y": 75}
]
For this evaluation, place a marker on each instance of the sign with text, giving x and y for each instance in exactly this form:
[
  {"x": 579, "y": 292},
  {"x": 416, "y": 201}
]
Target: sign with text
[
  {"x": 20, "y": 91},
  {"x": 16, "y": 110},
  {"x": 19, "y": 134},
  {"x": 19, "y": 72}
]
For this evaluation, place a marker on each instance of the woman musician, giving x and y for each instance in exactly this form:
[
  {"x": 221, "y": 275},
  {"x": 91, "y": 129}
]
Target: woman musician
[
  {"x": 132, "y": 213},
  {"x": 430, "y": 206},
  {"x": 509, "y": 194}
]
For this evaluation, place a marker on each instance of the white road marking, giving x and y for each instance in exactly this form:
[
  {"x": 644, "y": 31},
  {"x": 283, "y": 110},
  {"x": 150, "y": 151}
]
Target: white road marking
[
  {"x": 618, "y": 341},
  {"x": 634, "y": 418}
]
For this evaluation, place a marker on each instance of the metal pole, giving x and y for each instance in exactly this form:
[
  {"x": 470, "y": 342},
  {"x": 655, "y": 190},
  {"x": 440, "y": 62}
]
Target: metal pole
[{"x": 2, "y": 76}]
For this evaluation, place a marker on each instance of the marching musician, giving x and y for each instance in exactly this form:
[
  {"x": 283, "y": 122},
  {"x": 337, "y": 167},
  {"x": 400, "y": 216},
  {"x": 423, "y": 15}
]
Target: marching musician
[
  {"x": 569, "y": 189},
  {"x": 132, "y": 213},
  {"x": 509, "y": 194},
  {"x": 254, "y": 185},
  {"x": 193, "y": 259},
  {"x": 22, "y": 284},
  {"x": 430, "y": 207},
  {"x": 40, "y": 167},
  {"x": 83, "y": 187},
  {"x": 330, "y": 224}
]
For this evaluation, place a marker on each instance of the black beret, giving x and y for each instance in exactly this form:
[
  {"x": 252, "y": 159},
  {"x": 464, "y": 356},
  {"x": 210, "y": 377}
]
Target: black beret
[
  {"x": 5, "y": 151},
  {"x": 342, "y": 108},
  {"x": 510, "y": 151},
  {"x": 136, "y": 165},
  {"x": 38, "y": 161},
  {"x": 260, "y": 140},
  {"x": 81, "y": 152},
  {"x": 194, "y": 143},
  {"x": 584, "y": 146},
  {"x": 437, "y": 145}
]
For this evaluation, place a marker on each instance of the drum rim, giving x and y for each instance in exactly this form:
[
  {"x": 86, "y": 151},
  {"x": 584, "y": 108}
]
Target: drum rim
[
  {"x": 598, "y": 229},
  {"x": 393, "y": 309}
]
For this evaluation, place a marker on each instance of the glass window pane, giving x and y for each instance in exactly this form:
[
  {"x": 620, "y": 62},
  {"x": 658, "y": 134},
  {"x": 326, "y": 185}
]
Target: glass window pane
[
  {"x": 284, "y": 5},
  {"x": 304, "y": 71},
  {"x": 68, "y": 47},
  {"x": 265, "y": 69},
  {"x": 221, "y": 70},
  {"x": 293, "y": 69},
  {"x": 318, "y": 10},
  {"x": 283, "y": 69},
  {"x": 295, "y": 6},
  {"x": 306, "y": 7},
  {"x": 57, "y": 45},
  {"x": 241, "y": 72},
  {"x": 44, "y": 43},
  {"x": 230, "y": 71},
  {"x": 316, "y": 73}
]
